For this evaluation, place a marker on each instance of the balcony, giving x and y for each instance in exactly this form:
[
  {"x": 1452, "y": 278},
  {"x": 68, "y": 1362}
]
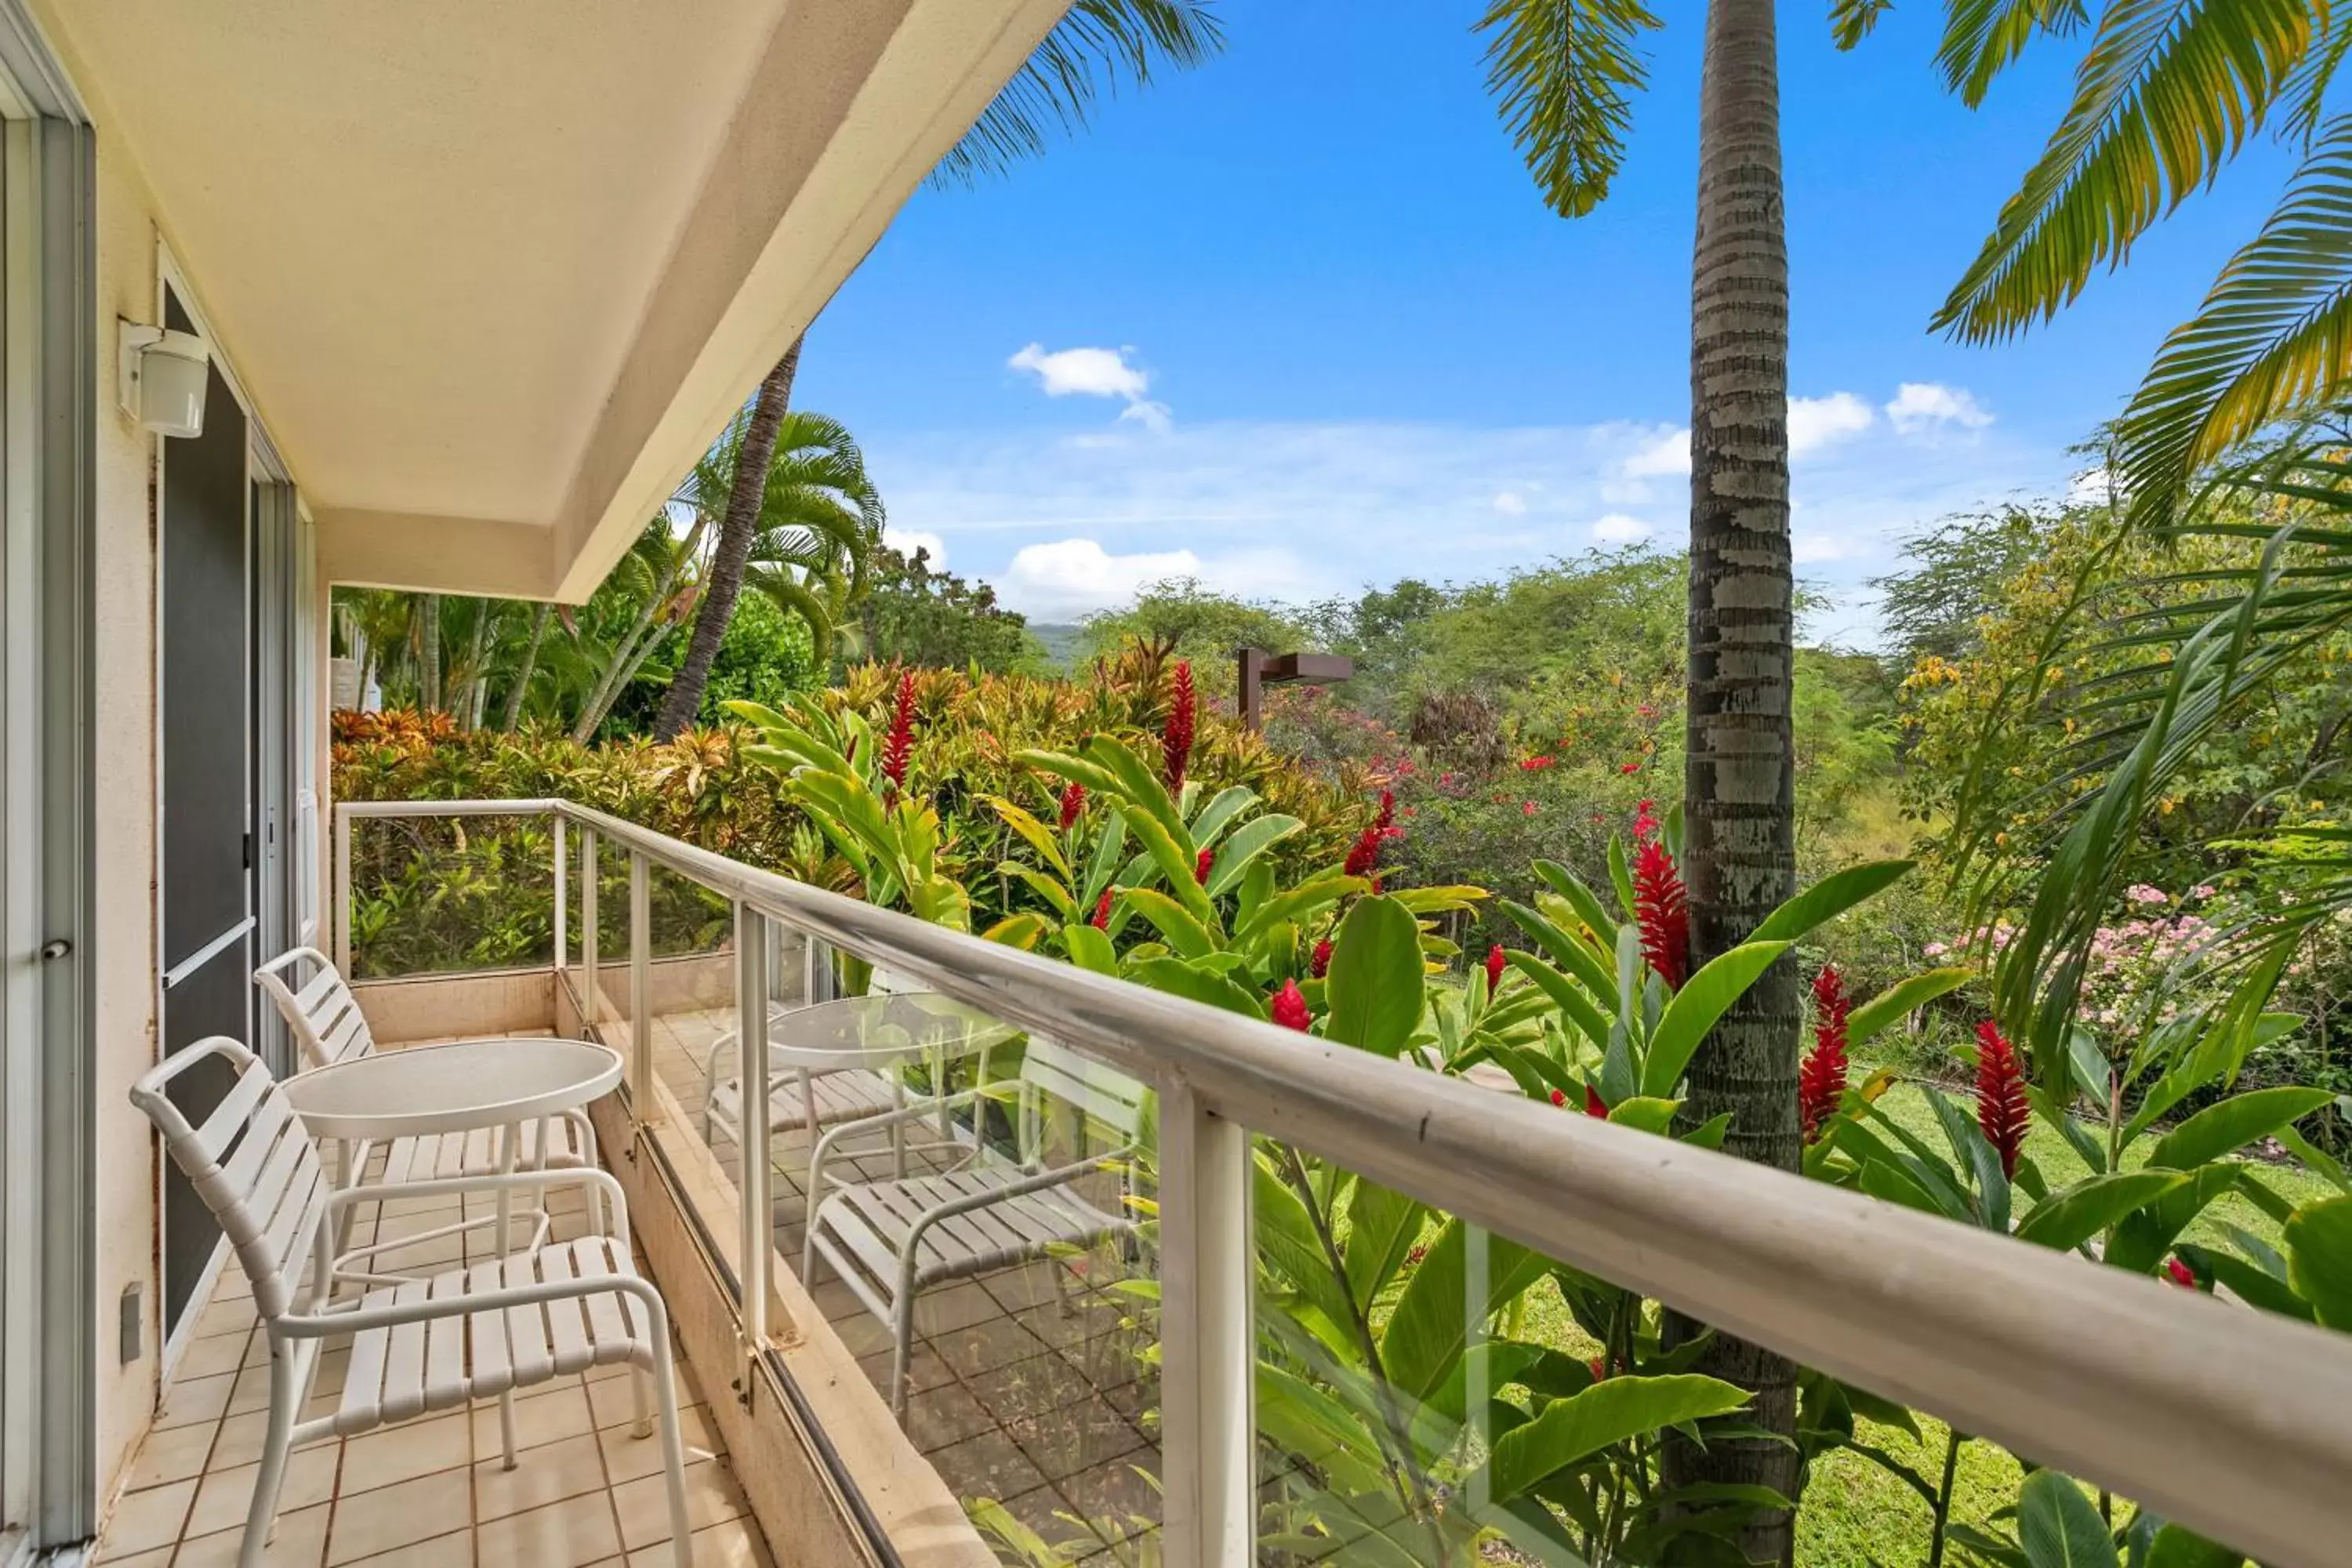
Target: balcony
[{"x": 1145, "y": 1395}]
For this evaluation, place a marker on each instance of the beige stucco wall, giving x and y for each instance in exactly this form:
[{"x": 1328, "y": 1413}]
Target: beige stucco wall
[{"x": 125, "y": 906}]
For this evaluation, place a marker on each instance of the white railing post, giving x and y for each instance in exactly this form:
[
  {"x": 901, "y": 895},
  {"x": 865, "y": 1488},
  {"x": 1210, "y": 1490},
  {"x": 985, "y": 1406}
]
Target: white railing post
[
  {"x": 562, "y": 892},
  {"x": 1208, "y": 1411},
  {"x": 588, "y": 926},
  {"x": 342, "y": 905},
  {"x": 752, "y": 1188},
  {"x": 641, "y": 991}
]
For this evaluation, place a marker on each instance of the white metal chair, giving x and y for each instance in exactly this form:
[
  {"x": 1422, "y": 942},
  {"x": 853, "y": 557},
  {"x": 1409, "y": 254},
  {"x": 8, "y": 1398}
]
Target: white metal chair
[
  {"x": 891, "y": 1241},
  {"x": 474, "y": 1333},
  {"x": 329, "y": 1028},
  {"x": 845, "y": 1061}
]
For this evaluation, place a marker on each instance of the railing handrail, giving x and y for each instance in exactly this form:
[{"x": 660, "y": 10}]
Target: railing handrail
[{"x": 2232, "y": 1421}]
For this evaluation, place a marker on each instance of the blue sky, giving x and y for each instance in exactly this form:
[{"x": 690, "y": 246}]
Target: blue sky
[{"x": 1338, "y": 340}]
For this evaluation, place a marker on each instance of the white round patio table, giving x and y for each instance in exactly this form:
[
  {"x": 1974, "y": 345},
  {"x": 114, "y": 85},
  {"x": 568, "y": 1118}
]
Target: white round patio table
[{"x": 458, "y": 1088}]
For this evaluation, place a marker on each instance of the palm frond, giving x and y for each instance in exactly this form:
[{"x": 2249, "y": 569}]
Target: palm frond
[
  {"x": 1093, "y": 48},
  {"x": 782, "y": 587},
  {"x": 2272, "y": 339},
  {"x": 1984, "y": 37},
  {"x": 1851, "y": 21},
  {"x": 1563, "y": 73},
  {"x": 2168, "y": 94},
  {"x": 2225, "y": 649}
]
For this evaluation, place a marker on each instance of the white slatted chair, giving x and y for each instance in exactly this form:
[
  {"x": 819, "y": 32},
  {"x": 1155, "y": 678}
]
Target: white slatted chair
[
  {"x": 329, "y": 1028},
  {"x": 891, "y": 1241},
  {"x": 844, "y": 1061},
  {"x": 423, "y": 1345}
]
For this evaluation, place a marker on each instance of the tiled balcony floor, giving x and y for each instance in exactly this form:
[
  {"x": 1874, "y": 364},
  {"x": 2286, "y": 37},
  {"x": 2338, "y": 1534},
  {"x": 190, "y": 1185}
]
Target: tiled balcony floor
[
  {"x": 1051, "y": 1412},
  {"x": 432, "y": 1493}
]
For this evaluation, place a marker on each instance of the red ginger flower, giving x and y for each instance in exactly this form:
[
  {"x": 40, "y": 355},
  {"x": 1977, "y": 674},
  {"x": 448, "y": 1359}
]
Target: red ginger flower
[
  {"x": 1074, "y": 801},
  {"x": 1289, "y": 1008},
  {"x": 1559, "y": 1097},
  {"x": 1629, "y": 767},
  {"x": 901, "y": 744},
  {"x": 1102, "y": 911},
  {"x": 1662, "y": 910},
  {"x": 1176, "y": 738},
  {"x": 1208, "y": 858},
  {"x": 1645, "y": 821},
  {"x": 2002, "y": 1109},
  {"x": 1820, "y": 1081},
  {"x": 1594, "y": 1105},
  {"x": 1320, "y": 964},
  {"x": 1364, "y": 856},
  {"x": 1496, "y": 962},
  {"x": 2181, "y": 1274}
]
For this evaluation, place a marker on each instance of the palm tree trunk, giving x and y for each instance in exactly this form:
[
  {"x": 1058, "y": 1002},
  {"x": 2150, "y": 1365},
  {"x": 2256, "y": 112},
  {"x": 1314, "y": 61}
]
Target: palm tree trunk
[
  {"x": 470, "y": 711},
  {"x": 736, "y": 533},
  {"x": 428, "y": 653},
  {"x": 1740, "y": 793},
  {"x": 630, "y": 652},
  {"x": 520, "y": 687}
]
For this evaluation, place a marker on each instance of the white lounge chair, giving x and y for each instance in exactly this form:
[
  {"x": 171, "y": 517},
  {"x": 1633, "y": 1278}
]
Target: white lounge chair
[
  {"x": 328, "y": 1028},
  {"x": 891, "y": 1241},
  {"x": 473, "y": 1333}
]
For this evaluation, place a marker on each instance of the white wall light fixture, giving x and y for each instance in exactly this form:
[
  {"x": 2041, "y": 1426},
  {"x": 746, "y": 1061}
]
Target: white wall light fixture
[{"x": 161, "y": 378}]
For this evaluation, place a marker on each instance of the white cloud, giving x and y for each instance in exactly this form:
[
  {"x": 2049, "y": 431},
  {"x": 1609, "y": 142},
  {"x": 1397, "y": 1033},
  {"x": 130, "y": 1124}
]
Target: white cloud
[
  {"x": 1065, "y": 579},
  {"x": 1153, "y": 417},
  {"x": 1088, "y": 373},
  {"x": 1510, "y": 504},
  {"x": 1096, "y": 372},
  {"x": 1660, "y": 456},
  {"x": 1923, "y": 406},
  {"x": 1620, "y": 528},
  {"x": 907, "y": 541},
  {"x": 1817, "y": 422}
]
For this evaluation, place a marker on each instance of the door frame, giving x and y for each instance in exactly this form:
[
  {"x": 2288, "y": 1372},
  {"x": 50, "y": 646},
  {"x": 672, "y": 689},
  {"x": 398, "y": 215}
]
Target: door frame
[
  {"x": 266, "y": 472},
  {"x": 49, "y": 1314}
]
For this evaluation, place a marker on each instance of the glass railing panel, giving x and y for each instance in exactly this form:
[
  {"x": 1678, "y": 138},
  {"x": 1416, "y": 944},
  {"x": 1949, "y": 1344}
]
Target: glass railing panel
[
  {"x": 1395, "y": 1344},
  {"x": 437, "y": 895},
  {"x": 1028, "y": 1375}
]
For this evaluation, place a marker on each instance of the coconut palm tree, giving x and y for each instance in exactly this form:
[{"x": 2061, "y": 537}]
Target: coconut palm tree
[
  {"x": 1095, "y": 45},
  {"x": 1563, "y": 72},
  {"x": 820, "y": 526}
]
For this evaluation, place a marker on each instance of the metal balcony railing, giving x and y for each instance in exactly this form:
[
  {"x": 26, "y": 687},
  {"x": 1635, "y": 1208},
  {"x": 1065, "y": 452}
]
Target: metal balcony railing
[{"x": 2236, "y": 1423}]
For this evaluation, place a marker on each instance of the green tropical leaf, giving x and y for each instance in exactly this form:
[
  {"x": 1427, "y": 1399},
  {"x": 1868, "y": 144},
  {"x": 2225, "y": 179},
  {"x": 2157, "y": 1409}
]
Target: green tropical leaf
[
  {"x": 1382, "y": 1226},
  {"x": 1179, "y": 978},
  {"x": 1581, "y": 899},
  {"x": 1828, "y": 899},
  {"x": 1375, "y": 988},
  {"x": 2058, "y": 1526},
  {"x": 1579, "y": 1008},
  {"x": 1703, "y": 999},
  {"x": 2177, "y": 1548},
  {"x": 1245, "y": 844},
  {"x": 2068, "y": 1218},
  {"x": 1614, "y": 1410},
  {"x": 2224, "y": 1128},
  {"x": 1424, "y": 1336},
  {"x": 1900, "y": 1000},
  {"x": 1089, "y": 948},
  {"x": 2319, "y": 1259}
]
